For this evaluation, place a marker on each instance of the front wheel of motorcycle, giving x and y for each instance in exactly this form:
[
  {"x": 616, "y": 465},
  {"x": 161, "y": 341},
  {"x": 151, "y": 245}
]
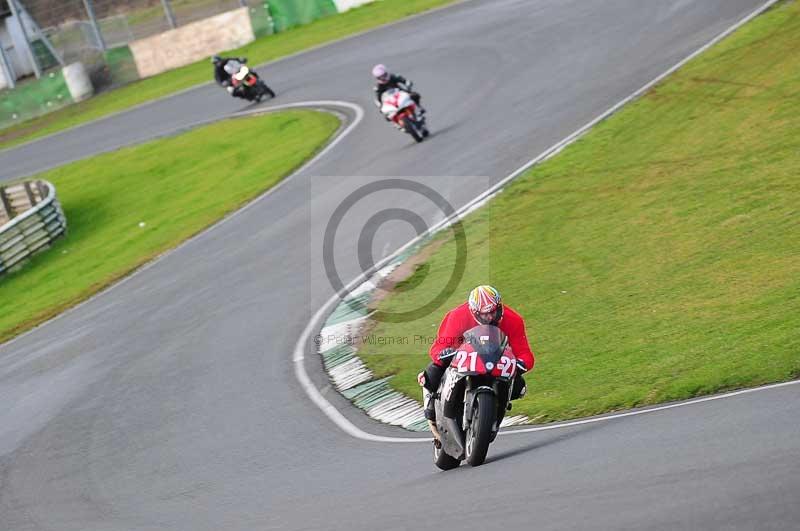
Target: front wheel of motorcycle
[
  {"x": 479, "y": 434},
  {"x": 412, "y": 128},
  {"x": 443, "y": 460}
]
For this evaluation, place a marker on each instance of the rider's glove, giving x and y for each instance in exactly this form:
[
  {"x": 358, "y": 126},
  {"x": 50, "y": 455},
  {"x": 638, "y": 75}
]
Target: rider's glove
[
  {"x": 230, "y": 89},
  {"x": 521, "y": 368},
  {"x": 446, "y": 356}
]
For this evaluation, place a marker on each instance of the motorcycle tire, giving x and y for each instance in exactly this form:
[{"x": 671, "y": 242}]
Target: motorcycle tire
[
  {"x": 479, "y": 433},
  {"x": 412, "y": 129},
  {"x": 265, "y": 90},
  {"x": 442, "y": 460}
]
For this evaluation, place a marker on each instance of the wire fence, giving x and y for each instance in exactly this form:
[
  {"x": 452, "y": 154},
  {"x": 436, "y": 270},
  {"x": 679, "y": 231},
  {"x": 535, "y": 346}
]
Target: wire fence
[{"x": 83, "y": 30}]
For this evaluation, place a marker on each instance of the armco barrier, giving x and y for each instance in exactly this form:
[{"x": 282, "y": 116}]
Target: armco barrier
[{"x": 36, "y": 219}]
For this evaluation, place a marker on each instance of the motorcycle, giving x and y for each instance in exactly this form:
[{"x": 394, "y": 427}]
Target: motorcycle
[
  {"x": 252, "y": 86},
  {"x": 473, "y": 397},
  {"x": 398, "y": 106}
]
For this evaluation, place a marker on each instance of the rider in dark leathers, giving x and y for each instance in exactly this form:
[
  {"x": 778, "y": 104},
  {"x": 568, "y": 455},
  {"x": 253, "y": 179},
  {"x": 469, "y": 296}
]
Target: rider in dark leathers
[
  {"x": 386, "y": 80},
  {"x": 223, "y": 78}
]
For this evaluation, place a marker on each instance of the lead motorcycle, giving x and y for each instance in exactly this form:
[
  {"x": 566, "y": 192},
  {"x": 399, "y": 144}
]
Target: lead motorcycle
[
  {"x": 473, "y": 397},
  {"x": 248, "y": 82},
  {"x": 400, "y": 108}
]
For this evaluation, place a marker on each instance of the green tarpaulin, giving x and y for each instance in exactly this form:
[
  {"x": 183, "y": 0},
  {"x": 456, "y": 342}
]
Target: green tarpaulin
[
  {"x": 33, "y": 98},
  {"x": 289, "y": 13}
]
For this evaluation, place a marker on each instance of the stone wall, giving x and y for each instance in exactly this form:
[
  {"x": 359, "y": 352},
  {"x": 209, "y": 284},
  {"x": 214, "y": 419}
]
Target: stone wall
[{"x": 192, "y": 42}]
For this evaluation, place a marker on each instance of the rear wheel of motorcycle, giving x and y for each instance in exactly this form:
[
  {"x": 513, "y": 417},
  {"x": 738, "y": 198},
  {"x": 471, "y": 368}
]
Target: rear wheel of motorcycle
[
  {"x": 412, "y": 129},
  {"x": 479, "y": 433},
  {"x": 443, "y": 460}
]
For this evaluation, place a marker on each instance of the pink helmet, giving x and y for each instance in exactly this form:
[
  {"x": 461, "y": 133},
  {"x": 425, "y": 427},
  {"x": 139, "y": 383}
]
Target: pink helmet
[{"x": 380, "y": 73}]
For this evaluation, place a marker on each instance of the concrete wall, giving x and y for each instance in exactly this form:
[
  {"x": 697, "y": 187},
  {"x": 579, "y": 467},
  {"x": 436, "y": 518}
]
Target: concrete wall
[
  {"x": 344, "y": 5},
  {"x": 192, "y": 42}
]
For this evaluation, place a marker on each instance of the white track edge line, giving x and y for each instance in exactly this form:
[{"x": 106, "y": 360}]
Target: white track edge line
[
  {"x": 690, "y": 402},
  {"x": 260, "y": 66},
  {"x": 342, "y": 133},
  {"x": 299, "y": 351},
  {"x": 165, "y": 134}
]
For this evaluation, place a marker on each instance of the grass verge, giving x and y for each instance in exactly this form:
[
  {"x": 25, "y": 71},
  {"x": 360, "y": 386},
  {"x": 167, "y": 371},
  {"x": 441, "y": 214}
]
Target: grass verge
[
  {"x": 262, "y": 50},
  {"x": 657, "y": 258},
  {"x": 175, "y": 195}
]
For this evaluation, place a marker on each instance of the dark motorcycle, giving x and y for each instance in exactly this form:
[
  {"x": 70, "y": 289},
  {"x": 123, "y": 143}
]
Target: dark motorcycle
[
  {"x": 251, "y": 86},
  {"x": 473, "y": 397}
]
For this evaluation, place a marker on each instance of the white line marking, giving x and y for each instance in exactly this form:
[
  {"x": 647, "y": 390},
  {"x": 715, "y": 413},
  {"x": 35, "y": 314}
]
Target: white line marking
[
  {"x": 173, "y": 132},
  {"x": 650, "y": 410},
  {"x": 259, "y": 67},
  {"x": 299, "y": 351},
  {"x": 359, "y": 115}
]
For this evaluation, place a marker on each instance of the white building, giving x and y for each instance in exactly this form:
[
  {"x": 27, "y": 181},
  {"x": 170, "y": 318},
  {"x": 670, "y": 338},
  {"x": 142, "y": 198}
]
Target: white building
[{"x": 14, "y": 46}]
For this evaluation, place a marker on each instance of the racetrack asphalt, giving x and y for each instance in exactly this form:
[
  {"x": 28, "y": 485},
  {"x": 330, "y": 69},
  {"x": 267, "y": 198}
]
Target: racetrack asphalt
[{"x": 169, "y": 402}]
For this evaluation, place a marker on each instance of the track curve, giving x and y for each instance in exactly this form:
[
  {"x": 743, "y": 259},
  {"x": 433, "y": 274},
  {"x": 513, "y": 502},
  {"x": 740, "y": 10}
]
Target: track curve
[{"x": 170, "y": 402}]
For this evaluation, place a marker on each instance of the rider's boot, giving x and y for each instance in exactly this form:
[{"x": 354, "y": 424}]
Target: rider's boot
[
  {"x": 430, "y": 379},
  {"x": 427, "y": 399},
  {"x": 430, "y": 412},
  {"x": 518, "y": 388}
]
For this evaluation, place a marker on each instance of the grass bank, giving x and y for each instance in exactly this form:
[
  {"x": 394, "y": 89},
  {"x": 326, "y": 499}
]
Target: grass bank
[
  {"x": 106, "y": 197},
  {"x": 658, "y": 258},
  {"x": 262, "y": 50}
]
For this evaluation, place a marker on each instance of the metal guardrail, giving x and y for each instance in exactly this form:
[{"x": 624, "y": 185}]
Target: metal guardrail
[{"x": 32, "y": 230}]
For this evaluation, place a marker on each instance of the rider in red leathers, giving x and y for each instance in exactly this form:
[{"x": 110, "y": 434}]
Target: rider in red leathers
[{"x": 484, "y": 307}]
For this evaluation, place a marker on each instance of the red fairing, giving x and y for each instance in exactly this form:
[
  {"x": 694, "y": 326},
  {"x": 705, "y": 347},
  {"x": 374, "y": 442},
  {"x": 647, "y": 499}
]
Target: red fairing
[
  {"x": 467, "y": 361},
  {"x": 408, "y": 111},
  {"x": 460, "y": 319},
  {"x": 506, "y": 367}
]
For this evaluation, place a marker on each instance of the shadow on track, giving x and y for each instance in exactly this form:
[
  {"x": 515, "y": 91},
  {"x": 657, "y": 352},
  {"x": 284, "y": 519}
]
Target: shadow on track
[
  {"x": 433, "y": 476},
  {"x": 443, "y": 130},
  {"x": 434, "y": 133},
  {"x": 536, "y": 445}
]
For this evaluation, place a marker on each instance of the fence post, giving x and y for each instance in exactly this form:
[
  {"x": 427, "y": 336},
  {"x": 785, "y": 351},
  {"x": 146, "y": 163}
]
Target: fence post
[
  {"x": 5, "y": 67},
  {"x": 93, "y": 19},
  {"x": 5, "y": 204},
  {"x": 169, "y": 13},
  {"x": 17, "y": 13}
]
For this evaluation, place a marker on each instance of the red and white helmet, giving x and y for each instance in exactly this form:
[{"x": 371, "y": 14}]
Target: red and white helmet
[
  {"x": 486, "y": 305},
  {"x": 380, "y": 73}
]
